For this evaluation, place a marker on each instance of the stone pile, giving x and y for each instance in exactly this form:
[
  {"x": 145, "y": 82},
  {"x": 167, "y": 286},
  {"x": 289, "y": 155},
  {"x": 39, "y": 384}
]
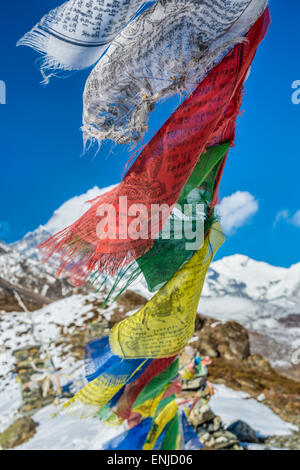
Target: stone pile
[
  {"x": 27, "y": 359},
  {"x": 209, "y": 427}
]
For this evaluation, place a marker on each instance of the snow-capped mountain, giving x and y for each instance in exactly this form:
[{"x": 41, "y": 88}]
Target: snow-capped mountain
[
  {"x": 263, "y": 298},
  {"x": 27, "y": 245},
  {"x": 64, "y": 216}
]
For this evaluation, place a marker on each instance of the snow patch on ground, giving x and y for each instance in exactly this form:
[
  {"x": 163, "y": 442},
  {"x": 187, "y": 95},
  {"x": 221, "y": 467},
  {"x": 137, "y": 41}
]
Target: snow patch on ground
[
  {"x": 64, "y": 432},
  {"x": 232, "y": 406}
]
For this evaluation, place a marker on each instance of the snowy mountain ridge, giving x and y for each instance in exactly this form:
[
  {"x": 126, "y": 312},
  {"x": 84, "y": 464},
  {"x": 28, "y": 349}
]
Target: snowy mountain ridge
[
  {"x": 242, "y": 276},
  {"x": 236, "y": 275},
  {"x": 263, "y": 298}
]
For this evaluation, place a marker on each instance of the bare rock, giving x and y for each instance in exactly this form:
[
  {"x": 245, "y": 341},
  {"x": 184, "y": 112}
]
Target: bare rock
[
  {"x": 291, "y": 321},
  {"x": 224, "y": 440},
  {"x": 281, "y": 393},
  {"x": 19, "y": 432},
  {"x": 243, "y": 432},
  {"x": 229, "y": 340}
]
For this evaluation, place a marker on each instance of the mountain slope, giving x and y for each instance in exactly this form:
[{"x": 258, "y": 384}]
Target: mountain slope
[
  {"x": 24, "y": 277},
  {"x": 263, "y": 298},
  {"x": 64, "y": 216},
  {"x": 242, "y": 276}
]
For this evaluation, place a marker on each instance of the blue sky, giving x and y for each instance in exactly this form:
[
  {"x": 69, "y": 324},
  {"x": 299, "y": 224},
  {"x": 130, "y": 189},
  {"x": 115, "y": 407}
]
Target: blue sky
[{"x": 41, "y": 145}]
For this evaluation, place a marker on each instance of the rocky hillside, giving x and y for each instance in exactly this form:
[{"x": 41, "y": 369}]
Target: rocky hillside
[
  {"x": 263, "y": 298},
  {"x": 65, "y": 326},
  {"x": 24, "y": 280},
  {"x": 236, "y": 366},
  {"x": 248, "y": 323}
]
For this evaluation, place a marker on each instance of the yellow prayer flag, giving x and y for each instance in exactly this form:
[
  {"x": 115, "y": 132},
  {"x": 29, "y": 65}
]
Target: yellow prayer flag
[
  {"x": 163, "y": 418},
  {"x": 164, "y": 325}
]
